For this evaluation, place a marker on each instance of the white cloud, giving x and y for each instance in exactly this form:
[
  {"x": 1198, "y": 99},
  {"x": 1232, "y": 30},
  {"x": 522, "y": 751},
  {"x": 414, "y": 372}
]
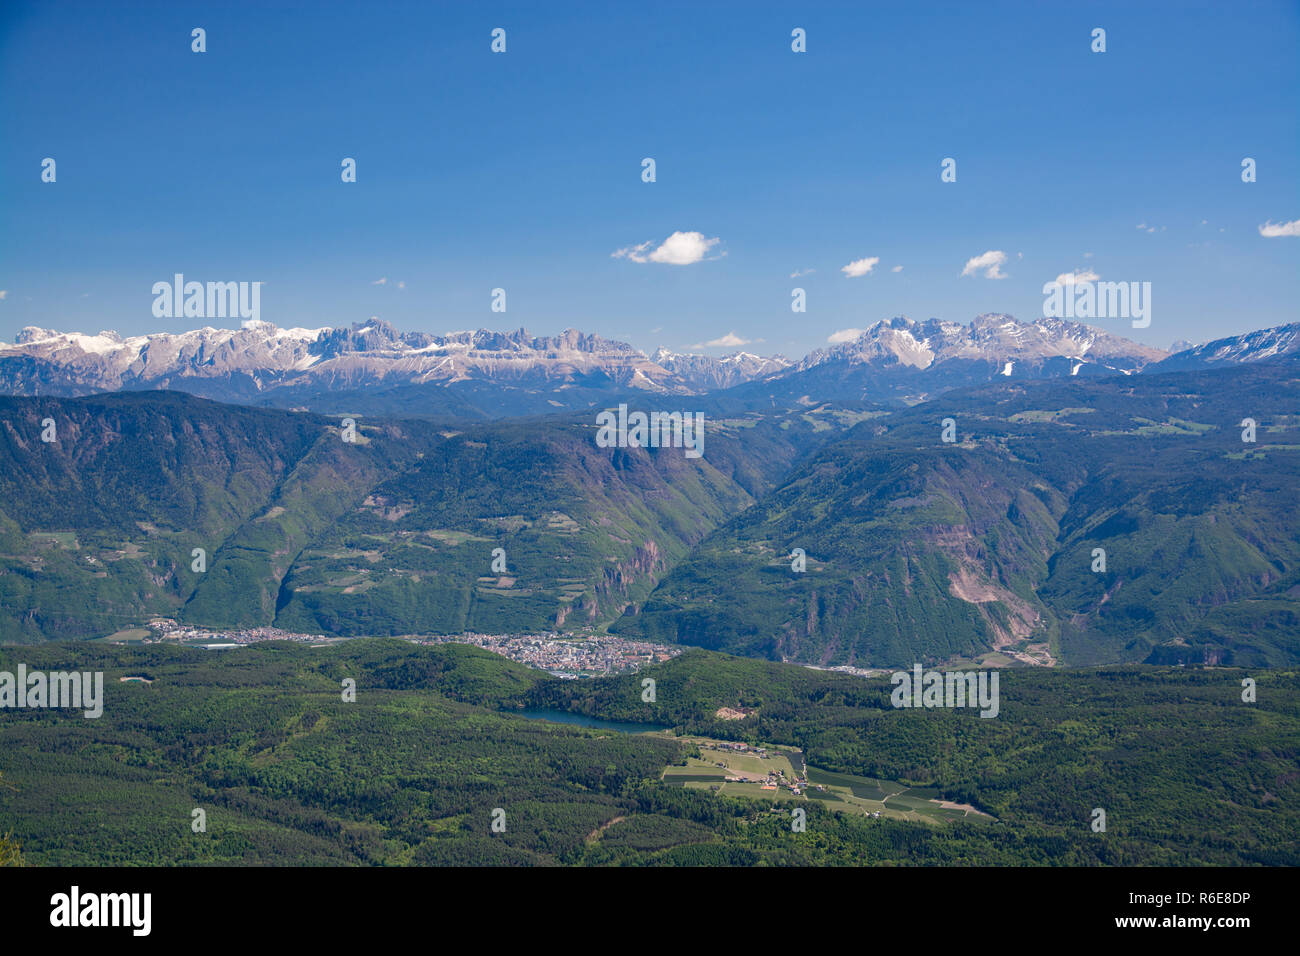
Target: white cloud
[
  {"x": 3, "y": 293},
  {"x": 1087, "y": 255},
  {"x": 896, "y": 269},
  {"x": 401, "y": 285},
  {"x": 1272, "y": 230},
  {"x": 679, "y": 249},
  {"x": 801, "y": 272},
  {"x": 843, "y": 335},
  {"x": 990, "y": 262},
  {"x": 730, "y": 340},
  {"x": 382, "y": 281},
  {"x": 1078, "y": 275},
  {"x": 860, "y": 267},
  {"x": 635, "y": 253}
]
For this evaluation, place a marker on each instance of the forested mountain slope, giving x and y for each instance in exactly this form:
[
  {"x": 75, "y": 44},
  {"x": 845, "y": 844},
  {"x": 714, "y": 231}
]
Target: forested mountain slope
[
  {"x": 394, "y": 532},
  {"x": 921, "y": 549}
]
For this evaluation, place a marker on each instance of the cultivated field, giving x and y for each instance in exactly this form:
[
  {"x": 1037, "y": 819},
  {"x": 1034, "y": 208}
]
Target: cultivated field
[{"x": 776, "y": 774}]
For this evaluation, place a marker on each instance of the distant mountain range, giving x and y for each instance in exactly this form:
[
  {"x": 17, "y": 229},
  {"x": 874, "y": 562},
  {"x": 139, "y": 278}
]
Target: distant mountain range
[
  {"x": 1251, "y": 347},
  {"x": 704, "y": 373},
  {"x": 990, "y": 337},
  {"x": 904, "y": 361},
  {"x": 373, "y": 368},
  {"x": 252, "y": 362}
]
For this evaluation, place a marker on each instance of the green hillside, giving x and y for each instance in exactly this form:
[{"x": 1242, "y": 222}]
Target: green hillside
[
  {"x": 410, "y": 772},
  {"x": 97, "y": 528},
  {"x": 394, "y": 533},
  {"x": 920, "y": 550}
]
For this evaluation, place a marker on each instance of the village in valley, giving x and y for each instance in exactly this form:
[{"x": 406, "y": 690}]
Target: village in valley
[
  {"x": 560, "y": 655},
  {"x": 597, "y": 655}
]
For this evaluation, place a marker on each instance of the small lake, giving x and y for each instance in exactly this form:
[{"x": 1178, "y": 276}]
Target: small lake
[{"x": 581, "y": 720}]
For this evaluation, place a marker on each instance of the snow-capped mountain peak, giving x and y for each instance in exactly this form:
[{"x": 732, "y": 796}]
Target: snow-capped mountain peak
[
  {"x": 991, "y": 337},
  {"x": 705, "y": 373},
  {"x": 1260, "y": 345}
]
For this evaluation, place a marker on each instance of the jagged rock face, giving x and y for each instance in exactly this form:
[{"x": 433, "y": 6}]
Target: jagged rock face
[
  {"x": 264, "y": 356},
  {"x": 49, "y": 362},
  {"x": 991, "y": 337},
  {"x": 904, "y": 361},
  {"x": 259, "y": 361}
]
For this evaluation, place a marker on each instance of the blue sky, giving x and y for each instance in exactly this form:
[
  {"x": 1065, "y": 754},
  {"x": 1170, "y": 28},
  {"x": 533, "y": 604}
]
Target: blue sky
[{"x": 523, "y": 170}]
